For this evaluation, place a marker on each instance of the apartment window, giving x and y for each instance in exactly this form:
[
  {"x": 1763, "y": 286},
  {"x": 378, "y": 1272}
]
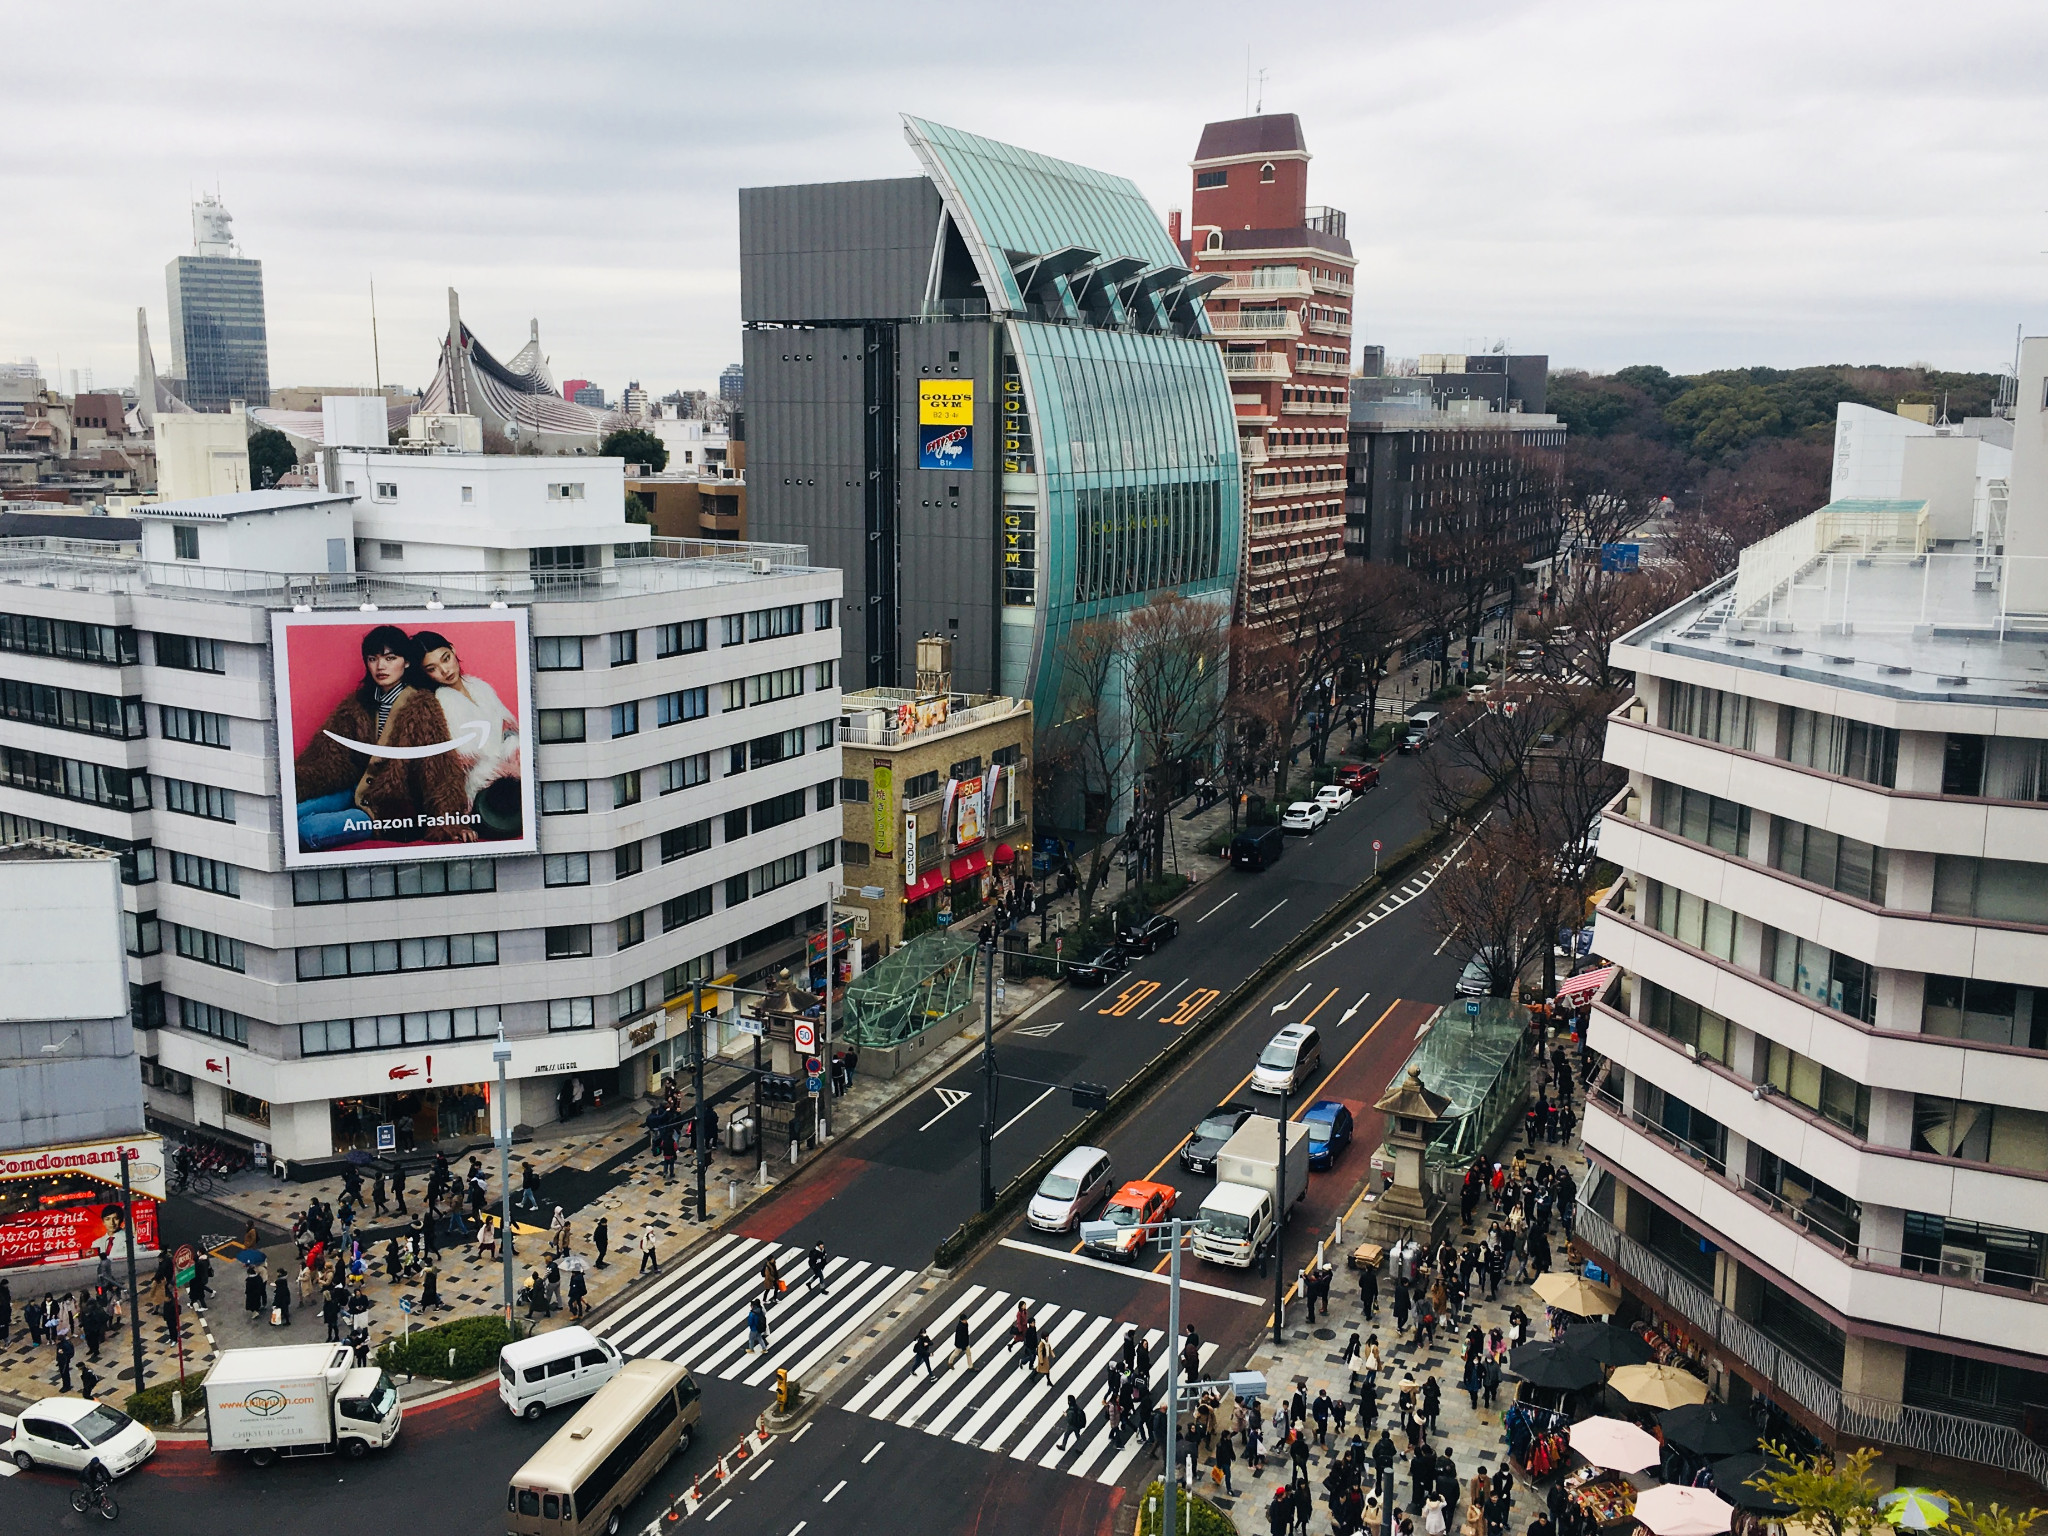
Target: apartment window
[
  {"x": 146, "y": 1010},
  {"x": 138, "y": 862},
  {"x": 733, "y": 695},
  {"x": 1998, "y": 890},
  {"x": 775, "y": 875},
  {"x": 736, "y": 759},
  {"x": 561, "y": 725},
  {"x": 142, "y": 933},
  {"x": 566, "y": 1013},
  {"x": 822, "y": 615},
  {"x": 386, "y": 490},
  {"x": 683, "y": 772},
  {"x": 923, "y": 784},
  {"x": 212, "y": 1019},
  {"x": 1994, "y": 1012},
  {"x": 1818, "y": 1207},
  {"x": 1705, "y": 925},
  {"x": 681, "y": 842},
  {"x": 774, "y": 623},
  {"x": 564, "y": 797},
  {"x": 566, "y": 491},
  {"x": 853, "y": 853},
  {"x": 681, "y": 980},
  {"x": 1206, "y": 181},
  {"x": 690, "y": 907},
  {"x": 1840, "y": 863},
  {"x": 779, "y": 809},
  {"x": 822, "y": 673},
  {"x": 1702, "y": 818},
  {"x": 559, "y": 558},
  {"x": 558, "y": 653},
  {"x": 204, "y": 800},
  {"x": 391, "y": 882},
  {"x": 627, "y": 860},
  {"x": 1712, "y": 714},
  {"x": 626, "y": 788},
  {"x": 1007, "y": 757},
  {"x": 928, "y": 851},
  {"x": 683, "y": 704},
  {"x": 826, "y": 853},
  {"x": 2015, "y": 769},
  {"x": 1973, "y": 1250},
  {"x": 1683, "y": 1020},
  {"x": 185, "y": 543},
  {"x": 763, "y": 751},
  {"x": 1821, "y": 1089},
  {"x": 629, "y": 930},
  {"x": 625, "y": 647},
  {"x": 1837, "y": 981},
  {"x": 1699, "y": 1136},
  {"x": 211, "y": 948},
  {"x": 854, "y": 791},
  {"x": 824, "y": 733},
  {"x": 626, "y": 719},
  {"x": 109, "y": 645},
  {"x": 735, "y": 890},
  {"x": 733, "y": 628},
  {"x": 735, "y": 825},
  {"x": 565, "y": 869},
  {"x": 201, "y": 727},
  {"x": 629, "y": 1001},
  {"x": 1981, "y": 1133},
  {"x": 389, "y": 551},
  {"x": 469, "y": 493},
  {"x": 679, "y": 639},
  {"x": 827, "y": 792},
  {"x": 332, "y": 1037},
  {"x": 767, "y": 687},
  {"x": 124, "y": 789},
  {"x": 569, "y": 942},
  {"x": 966, "y": 768},
  {"x": 72, "y": 709},
  {"x": 216, "y": 875},
  {"x": 379, "y": 957},
  {"x": 1846, "y": 747}
]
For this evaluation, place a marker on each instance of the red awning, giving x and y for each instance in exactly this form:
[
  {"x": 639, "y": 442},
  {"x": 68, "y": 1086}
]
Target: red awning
[
  {"x": 1005, "y": 854},
  {"x": 1585, "y": 984},
  {"x": 928, "y": 882},
  {"x": 970, "y": 866}
]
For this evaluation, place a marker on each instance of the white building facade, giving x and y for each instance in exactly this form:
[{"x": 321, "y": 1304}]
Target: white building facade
[
  {"x": 1822, "y": 1140},
  {"x": 685, "y": 748}
]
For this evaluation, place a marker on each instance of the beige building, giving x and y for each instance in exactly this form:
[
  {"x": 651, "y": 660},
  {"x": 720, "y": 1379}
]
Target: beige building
[
  {"x": 202, "y": 454},
  {"x": 936, "y": 796}
]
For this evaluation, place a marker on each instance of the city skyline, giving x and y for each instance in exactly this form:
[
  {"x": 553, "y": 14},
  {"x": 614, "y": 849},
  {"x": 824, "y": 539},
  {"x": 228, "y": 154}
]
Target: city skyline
[{"x": 1608, "y": 187}]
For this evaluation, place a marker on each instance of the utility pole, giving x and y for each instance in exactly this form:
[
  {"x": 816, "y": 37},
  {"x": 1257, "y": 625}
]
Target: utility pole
[
  {"x": 1279, "y": 1220},
  {"x": 988, "y": 1069},
  {"x": 1168, "y": 1524},
  {"x": 697, "y": 1137},
  {"x": 501, "y": 1053},
  {"x": 825, "y": 1030},
  {"x": 134, "y": 1302}
]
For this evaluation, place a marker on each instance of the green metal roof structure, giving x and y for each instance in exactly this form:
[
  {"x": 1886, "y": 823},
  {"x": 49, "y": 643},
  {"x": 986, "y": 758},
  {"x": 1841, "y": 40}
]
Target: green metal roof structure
[
  {"x": 1476, "y": 1063},
  {"x": 915, "y": 989}
]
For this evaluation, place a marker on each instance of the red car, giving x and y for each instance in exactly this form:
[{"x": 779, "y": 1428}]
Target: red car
[
  {"x": 1137, "y": 1204},
  {"x": 1359, "y": 777}
]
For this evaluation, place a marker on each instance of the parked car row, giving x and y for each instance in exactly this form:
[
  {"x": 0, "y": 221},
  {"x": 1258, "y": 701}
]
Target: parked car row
[{"x": 1140, "y": 938}]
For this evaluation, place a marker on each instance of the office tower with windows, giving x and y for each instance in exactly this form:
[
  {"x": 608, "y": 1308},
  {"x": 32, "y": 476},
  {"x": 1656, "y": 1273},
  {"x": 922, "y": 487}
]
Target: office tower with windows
[{"x": 220, "y": 349}]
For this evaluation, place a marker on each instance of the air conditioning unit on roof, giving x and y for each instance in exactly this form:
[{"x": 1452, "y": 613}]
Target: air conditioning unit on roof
[{"x": 763, "y": 565}]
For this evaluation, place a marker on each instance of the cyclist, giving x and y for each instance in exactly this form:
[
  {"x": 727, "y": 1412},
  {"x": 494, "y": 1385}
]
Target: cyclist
[{"x": 94, "y": 1485}]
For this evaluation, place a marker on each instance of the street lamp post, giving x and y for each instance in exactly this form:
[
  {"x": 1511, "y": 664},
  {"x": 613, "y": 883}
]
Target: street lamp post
[
  {"x": 501, "y": 1053},
  {"x": 1279, "y": 1217},
  {"x": 134, "y": 1302},
  {"x": 988, "y": 1069},
  {"x": 697, "y": 1123}
]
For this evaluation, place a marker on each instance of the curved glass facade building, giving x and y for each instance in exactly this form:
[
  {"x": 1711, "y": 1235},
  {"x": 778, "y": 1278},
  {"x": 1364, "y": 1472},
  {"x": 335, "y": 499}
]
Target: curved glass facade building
[{"x": 987, "y": 392}]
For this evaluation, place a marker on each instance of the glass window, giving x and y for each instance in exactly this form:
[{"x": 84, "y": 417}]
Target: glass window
[
  {"x": 558, "y": 653},
  {"x": 561, "y": 725},
  {"x": 566, "y": 869},
  {"x": 1711, "y": 714},
  {"x": 1831, "y": 980},
  {"x": 625, "y": 647},
  {"x": 629, "y": 930},
  {"x": 1995, "y": 1012},
  {"x": 690, "y": 907},
  {"x": 627, "y": 860},
  {"x": 568, "y": 942},
  {"x": 683, "y": 704},
  {"x": 1846, "y": 747},
  {"x": 681, "y": 842},
  {"x": 1687, "y": 1022},
  {"x": 1822, "y": 1089},
  {"x": 2000, "y": 890},
  {"x": 683, "y": 772},
  {"x": 854, "y": 791},
  {"x": 679, "y": 639},
  {"x": 564, "y": 797},
  {"x": 626, "y": 719},
  {"x": 626, "y": 788},
  {"x": 190, "y": 653},
  {"x": 572, "y": 1013},
  {"x": 1824, "y": 858}
]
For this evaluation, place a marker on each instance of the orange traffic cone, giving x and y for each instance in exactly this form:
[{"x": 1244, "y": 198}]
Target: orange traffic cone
[
  {"x": 740, "y": 1451},
  {"x": 721, "y": 1469}
]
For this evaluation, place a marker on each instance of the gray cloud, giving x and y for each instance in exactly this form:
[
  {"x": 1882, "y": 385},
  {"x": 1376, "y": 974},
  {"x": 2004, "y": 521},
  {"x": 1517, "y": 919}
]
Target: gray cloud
[{"x": 1606, "y": 181}]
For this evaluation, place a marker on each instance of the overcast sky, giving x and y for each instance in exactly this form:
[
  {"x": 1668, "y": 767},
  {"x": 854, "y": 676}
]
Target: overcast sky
[{"x": 1792, "y": 182}]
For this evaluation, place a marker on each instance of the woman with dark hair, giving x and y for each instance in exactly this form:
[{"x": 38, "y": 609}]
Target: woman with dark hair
[
  {"x": 490, "y": 765},
  {"x": 346, "y": 793}
]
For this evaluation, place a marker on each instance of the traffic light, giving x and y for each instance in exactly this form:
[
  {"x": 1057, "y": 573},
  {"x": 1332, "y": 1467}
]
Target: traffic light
[
  {"x": 788, "y": 1392},
  {"x": 1090, "y": 1096}
]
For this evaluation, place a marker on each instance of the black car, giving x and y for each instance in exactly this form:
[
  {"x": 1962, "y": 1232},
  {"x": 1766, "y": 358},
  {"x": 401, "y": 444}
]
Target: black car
[
  {"x": 1144, "y": 937},
  {"x": 1198, "y": 1152},
  {"x": 1099, "y": 970}
]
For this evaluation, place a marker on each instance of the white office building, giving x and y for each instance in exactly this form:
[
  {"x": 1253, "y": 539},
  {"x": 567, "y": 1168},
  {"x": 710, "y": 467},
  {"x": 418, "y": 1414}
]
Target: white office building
[
  {"x": 1821, "y": 1146},
  {"x": 681, "y": 754}
]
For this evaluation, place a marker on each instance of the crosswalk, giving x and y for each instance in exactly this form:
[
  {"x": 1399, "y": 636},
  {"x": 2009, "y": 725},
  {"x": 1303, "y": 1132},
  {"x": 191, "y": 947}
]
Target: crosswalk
[
  {"x": 1002, "y": 1406},
  {"x": 696, "y": 1313}
]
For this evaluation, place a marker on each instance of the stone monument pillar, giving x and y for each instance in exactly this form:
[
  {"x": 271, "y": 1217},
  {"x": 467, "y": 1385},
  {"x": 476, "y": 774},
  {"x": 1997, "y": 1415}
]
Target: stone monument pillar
[{"x": 1405, "y": 1211}]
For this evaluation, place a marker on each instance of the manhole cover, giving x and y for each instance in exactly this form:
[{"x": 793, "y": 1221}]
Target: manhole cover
[{"x": 1323, "y": 1333}]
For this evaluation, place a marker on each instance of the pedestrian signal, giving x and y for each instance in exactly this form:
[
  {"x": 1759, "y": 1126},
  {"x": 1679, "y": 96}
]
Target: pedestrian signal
[{"x": 788, "y": 1392}]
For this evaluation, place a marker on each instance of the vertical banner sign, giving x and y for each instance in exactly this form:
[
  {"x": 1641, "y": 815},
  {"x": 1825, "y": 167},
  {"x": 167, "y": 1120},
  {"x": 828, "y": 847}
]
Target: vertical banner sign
[
  {"x": 909, "y": 849},
  {"x": 945, "y": 424},
  {"x": 885, "y": 809}
]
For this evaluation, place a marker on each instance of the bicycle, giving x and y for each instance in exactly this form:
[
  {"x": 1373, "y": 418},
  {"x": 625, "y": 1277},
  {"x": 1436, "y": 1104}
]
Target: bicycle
[{"x": 101, "y": 1499}]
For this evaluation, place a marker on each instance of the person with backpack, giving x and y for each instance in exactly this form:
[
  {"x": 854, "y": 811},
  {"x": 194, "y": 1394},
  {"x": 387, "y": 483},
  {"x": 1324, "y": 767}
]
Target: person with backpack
[{"x": 1076, "y": 1422}]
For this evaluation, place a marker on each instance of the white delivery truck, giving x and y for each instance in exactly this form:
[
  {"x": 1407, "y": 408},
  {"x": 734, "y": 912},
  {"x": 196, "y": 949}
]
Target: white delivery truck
[
  {"x": 298, "y": 1400},
  {"x": 1238, "y": 1218}
]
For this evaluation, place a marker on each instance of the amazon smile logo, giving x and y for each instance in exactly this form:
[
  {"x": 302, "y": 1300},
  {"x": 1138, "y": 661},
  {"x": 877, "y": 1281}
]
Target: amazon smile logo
[{"x": 470, "y": 738}]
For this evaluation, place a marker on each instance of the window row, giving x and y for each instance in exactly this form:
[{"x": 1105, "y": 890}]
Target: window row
[
  {"x": 377, "y": 957},
  {"x": 570, "y": 725},
  {"x": 112, "y": 645},
  {"x": 121, "y": 789},
  {"x": 384, "y": 1031},
  {"x": 208, "y": 801},
  {"x": 391, "y": 882},
  {"x": 209, "y": 948},
  {"x": 212, "y": 1019},
  {"x": 621, "y": 648},
  {"x": 72, "y": 709},
  {"x": 201, "y": 727}
]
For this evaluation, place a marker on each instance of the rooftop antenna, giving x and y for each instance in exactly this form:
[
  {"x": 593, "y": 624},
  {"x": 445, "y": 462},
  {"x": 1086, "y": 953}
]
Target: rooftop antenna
[
  {"x": 376, "y": 361},
  {"x": 1260, "y": 108},
  {"x": 1247, "y": 79}
]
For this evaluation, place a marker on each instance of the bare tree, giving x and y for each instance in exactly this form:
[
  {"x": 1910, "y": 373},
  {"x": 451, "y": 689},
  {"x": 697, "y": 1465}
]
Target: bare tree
[
  {"x": 1493, "y": 899},
  {"x": 1383, "y": 614},
  {"x": 1090, "y": 738},
  {"x": 1177, "y": 651}
]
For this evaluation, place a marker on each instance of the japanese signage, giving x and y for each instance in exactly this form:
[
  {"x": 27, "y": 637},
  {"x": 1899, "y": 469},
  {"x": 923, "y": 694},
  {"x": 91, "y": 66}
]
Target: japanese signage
[
  {"x": 971, "y": 810},
  {"x": 885, "y": 809},
  {"x": 910, "y": 849},
  {"x": 945, "y": 424},
  {"x": 61, "y": 1204}
]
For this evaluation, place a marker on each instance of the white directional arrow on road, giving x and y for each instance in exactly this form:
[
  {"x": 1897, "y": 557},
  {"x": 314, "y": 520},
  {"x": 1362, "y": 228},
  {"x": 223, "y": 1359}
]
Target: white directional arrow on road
[
  {"x": 952, "y": 1098},
  {"x": 1040, "y": 1031},
  {"x": 1283, "y": 1007},
  {"x": 1352, "y": 1012}
]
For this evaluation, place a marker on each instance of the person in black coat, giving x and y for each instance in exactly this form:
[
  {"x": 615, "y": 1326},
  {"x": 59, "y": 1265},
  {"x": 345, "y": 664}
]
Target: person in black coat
[
  {"x": 281, "y": 1296},
  {"x": 1384, "y": 1455},
  {"x": 1421, "y": 1475},
  {"x": 252, "y": 1291}
]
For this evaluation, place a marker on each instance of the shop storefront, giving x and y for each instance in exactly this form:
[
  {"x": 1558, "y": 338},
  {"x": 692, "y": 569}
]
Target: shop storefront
[
  {"x": 401, "y": 1122},
  {"x": 62, "y": 1205}
]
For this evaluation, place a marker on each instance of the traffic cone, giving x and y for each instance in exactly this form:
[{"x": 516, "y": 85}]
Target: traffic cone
[
  {"x": 721, "y": 1469},
  {"x": 697, "y": 1489},
  {"x": 762, "y": 1431},
  {"x": 740, "y": 1451}
]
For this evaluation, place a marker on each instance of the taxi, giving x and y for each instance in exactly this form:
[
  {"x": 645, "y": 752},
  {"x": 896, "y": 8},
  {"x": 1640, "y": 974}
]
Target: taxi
[{"x": 1130, "y": 1208}]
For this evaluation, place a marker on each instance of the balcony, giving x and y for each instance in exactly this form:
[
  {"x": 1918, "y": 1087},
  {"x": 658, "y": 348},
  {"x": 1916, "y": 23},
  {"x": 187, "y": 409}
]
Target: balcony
[
  {"x": 1256, "y": 365},
  {"x": 1337, "y": 369},
  {"x": 1851, "y": 1416},
  {"x": 1255, "y": 322},
  {"x": 1275, "y": 489},
  {"x": 1315, "y": 408},
  {"x": 1331, "y": 285},
  {"x": 1329, "y": 327},
  {"x": 1326, "y": 221},
  {"x": 1263, "y": 285}
]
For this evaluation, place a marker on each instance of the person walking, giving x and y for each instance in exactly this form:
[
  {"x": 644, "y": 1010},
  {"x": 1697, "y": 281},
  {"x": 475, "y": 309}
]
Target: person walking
[
  {"x": 330, "y": 1313},
  {"x": 94, "y": 1325},
  {"x": 529, "y": 1188},
  {"x": 380, "y": 1198},
  {"x": 771, "y": 1282},
  {"x": 64, "y": 1356},
  {"x": 921, "y": 1350},
  {"x": 1320, "y": 1411},
  {"x": 398, "y": 1187},
  {"x": 578, "y": 1292},
  {"x": 1075, "y": 1423},
  {"x": 252, "y": 1291},
  {"x": 1226, "y": 1453},
  {"x": 601, "y": 1239},
  {"x": 814, "y": 1261},
  {"x": 963, "y": 1345},
  {"x": 649, "y": 1259},
  {"x": 1280, "y": 1512},
  {"x": 1029, "y": 1339},
  {"x": 1042, "y": 1362},
  {"x": 281, "y": 1298},
  {"x": 1432, "y": 1402},
  {"x": 757, "y": 1327}
]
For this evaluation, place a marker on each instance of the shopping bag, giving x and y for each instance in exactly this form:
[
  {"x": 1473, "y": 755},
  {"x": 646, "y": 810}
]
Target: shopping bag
[
  {"x": 1216, "y": 1474},
  {"x": 277, "y": 1317},
  {"x": 782, "y": 1287}
]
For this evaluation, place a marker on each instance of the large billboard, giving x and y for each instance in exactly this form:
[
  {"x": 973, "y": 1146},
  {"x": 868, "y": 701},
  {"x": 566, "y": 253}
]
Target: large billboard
[
  {"x": 404, "y": 734},
  {"x": 61, "y": 1204},
  {"x": 945, "y": 424}
]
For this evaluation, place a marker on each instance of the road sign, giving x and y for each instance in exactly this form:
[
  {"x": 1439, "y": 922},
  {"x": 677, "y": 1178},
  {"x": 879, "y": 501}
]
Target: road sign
[
  {"x": 747, "y": 1026},
  {"x": 1620, "y": 557},
  {"x": 184, "y": 1265},
  {"x": 1375, "y": 845},
  {"x": 815, "y": 1084},
  {"x": 1471, "y": 1007},
  {"x": 806, "y": 1036},
  {"x": 813, "y": 1066},
  {"x": 405, "y": 1304}
]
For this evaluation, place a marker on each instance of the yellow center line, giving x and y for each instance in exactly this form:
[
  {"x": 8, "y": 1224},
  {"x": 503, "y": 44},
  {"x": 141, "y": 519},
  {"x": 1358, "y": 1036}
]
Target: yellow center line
[{"x": 1319, "y": 1007}]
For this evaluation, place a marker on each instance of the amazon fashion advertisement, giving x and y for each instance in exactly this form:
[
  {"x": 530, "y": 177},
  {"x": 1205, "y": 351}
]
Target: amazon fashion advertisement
[{"x": 403, "y": 734}]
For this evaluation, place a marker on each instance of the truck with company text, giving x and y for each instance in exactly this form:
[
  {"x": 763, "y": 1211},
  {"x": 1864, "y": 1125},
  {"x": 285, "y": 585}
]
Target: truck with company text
[
  {"x": 1236, "y": 1223},
  {"x": 298, "y": 1400}
]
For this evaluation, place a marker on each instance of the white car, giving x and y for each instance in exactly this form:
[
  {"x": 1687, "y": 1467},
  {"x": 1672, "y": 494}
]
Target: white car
[
  {"x": 1333, "y": 798},
  {"x": 1287, "y": 1060},
  {"x": 1304, "y": 816},
  {"x": 68, "y": 1432}
]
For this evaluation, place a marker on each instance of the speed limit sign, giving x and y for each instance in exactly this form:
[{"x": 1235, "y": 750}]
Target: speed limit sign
[{"x": 806, "y": 1036}]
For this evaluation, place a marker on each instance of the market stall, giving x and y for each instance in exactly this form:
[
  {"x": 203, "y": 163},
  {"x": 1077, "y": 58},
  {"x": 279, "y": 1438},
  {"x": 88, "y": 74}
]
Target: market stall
[{"x": 1606, "y": 1498}]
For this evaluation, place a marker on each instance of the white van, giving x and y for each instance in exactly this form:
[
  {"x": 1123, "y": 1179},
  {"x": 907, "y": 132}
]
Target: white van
[
  {"x": 1077, "y": 1184},
  {"x": 549, "y": 1369}
]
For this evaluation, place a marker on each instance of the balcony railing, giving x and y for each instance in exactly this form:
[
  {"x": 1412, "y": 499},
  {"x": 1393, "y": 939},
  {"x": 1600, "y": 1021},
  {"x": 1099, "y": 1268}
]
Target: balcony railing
[
  {"x": 1256, "y": 365},
  {"x": 1849, "y": 1414},
  {"x": 1328, "y": 221},
  {"x": 1314, "y": 408},
  {"x": 1335, "y": 367},
  {"x": 1255, "y": 322},
  {"x": 1265, "y": 285}
]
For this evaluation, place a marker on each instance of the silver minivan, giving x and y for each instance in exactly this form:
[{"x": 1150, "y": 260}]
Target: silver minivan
[
  {"x": 1287, "y": 1060},
  {"x": 549, "y": 1369},
  {"x": 1077, "y": 1184}
]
